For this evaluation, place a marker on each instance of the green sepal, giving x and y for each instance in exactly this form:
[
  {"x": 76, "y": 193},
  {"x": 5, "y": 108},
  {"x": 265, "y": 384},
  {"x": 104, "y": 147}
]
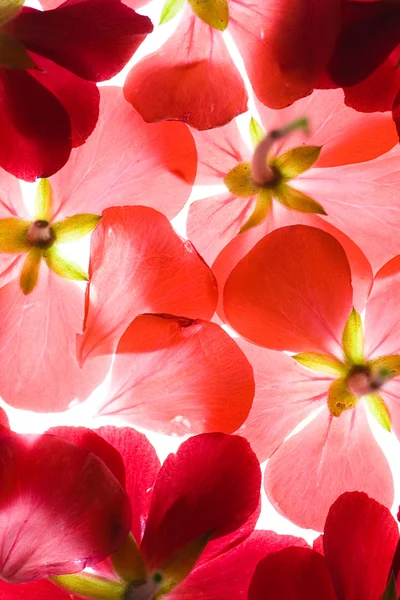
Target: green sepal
[
  {"x": 321, "y": 363},
  {"x": 13, "y": 54},
  {"x": 9, "y": 9},
  {"x": 13, "y": 235},
  {"x": 261, "y": 209},
  {"x": 65, "y": 268},
  {"x": 386, "y": 367},
  {"x": 128, "y": 561},
  {"x": 353, "y": 339},
  {"x": 294, "y": 162},
  {"x": 213, "y": 12},
  {"x": 378, "y": 410},
  {"x": 339, "y": 397},
  {"x": 257, "y": 133},
  {"x": 239, "y": 181},
  {"x": 390, "y": 592},
  {"x": 30, "y": 270},
  {"x": 295, "y": 200},
  {"x": 43, "y": 210},
  {"x": 75, "y": 227},
  {"x": 170, "y": 10},
  {"x": 90, "y": 586}
]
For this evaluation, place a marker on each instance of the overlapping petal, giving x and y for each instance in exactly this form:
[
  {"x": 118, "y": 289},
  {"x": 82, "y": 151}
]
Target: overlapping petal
[
  {"x": 178, "y": 376},
  {"x": 125, "y": 162},
  {"x": 34, "y": 590},
  {"x": 202, "y": 88},
  {"x": 157, "y": 273}
]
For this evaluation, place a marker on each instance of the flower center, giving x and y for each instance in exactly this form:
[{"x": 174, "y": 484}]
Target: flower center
[
  {"x": 361, "y": 381},
  {"x": 145, "y": 590},
  {"x": 40, "y": 234}
]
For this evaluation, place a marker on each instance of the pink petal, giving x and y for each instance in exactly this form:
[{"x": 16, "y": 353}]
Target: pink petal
[
  {"x": 35, "y": 127},
  {"x": 178, "y": 376},
  {"x": 329, "y": 456},
  {"x": 360, "y": 539},
  {"x": 286, "y": 393},
  {"x": 38, "y": 367},
  {"x": 11, "y": 200},
  {"x": 92, "y": 39},
  {"x": 277, "y": 40},
  {"x": 228, "y": 576},
  {"x": 211, "y": 485},
  {"x": 61, "y": 508},
  {"x": 157, "y": 273},
  {"x": 35, "y": 590},
  {"x": 160, "y": 87},
  {"x": 346, "y": 136},
  {"x": 390, "y": 393},
  {"x": 126, "y": 161},
  {"x": 292, "y": 574},
  {"x": 129, "y": 456},
  {"x": 286, "y": 304}
]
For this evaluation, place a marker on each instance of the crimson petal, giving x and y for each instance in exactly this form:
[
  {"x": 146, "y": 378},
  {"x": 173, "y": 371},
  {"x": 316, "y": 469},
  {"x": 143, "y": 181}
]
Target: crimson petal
[{"x": 34, "y": 590}]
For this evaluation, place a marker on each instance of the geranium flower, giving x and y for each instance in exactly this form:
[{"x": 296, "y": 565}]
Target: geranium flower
[
  {"x": 343, "y": 172},
  {"x": 41, "y": 310},
  {"x": 352, "y": 560},
  {"x": 49, "y": 63},
  {"x": 192, "y": 519},
  {"x": 61, "y": 508},
  {"x": 193, "y": 78},
  {"x": 293, "y": 291}
]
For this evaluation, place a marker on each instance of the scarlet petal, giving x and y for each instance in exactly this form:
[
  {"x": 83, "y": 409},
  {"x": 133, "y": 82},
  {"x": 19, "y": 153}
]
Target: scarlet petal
[
  {"x": 160, "y": 87},
  {"x": 210, "y": 486},
  {"x": 126, "y": 161},
  {"x": 61, "y": 508},
  {"x": 35, "y": 590},
  {"x": 80, "y": 98},
  {"x": 286, "y": 393},
  {"x": 286, "y": 304},
  {"x": 35, "y": 127},
  {"x": 328, "y": 457},
  {"x": 228, "y": 576},
  {"x": 38, "y": 367},
  {"x": 92, "y": 39},
  {"x": 279, "y": 38},
  {"x": 293, "y": 574},
  {"x": 360, "y": 538},
  {"x": 157, "y": 273}
]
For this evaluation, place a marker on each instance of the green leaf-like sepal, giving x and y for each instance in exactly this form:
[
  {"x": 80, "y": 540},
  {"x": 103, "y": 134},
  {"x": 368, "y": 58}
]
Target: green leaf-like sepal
[
  {"x": 239, "y": 181},
  {"x": 261, "y": 210},
  {"x": 9, "y": 9},
  {"x": 378, "y": 410},
  {"x": 170, "y": 10},
  {"x": 296, "y": 200},
  {"x": 213, "y": 12},
  {"x": 44, "y": 201},
  {"x": 63, "y": 267},
  {"x": 13, "y": 235},
  {"x": 353, "y": 339},
  {"x": 30, "y": 270},
  {"x": 386, "y": 367},
  {"x": 390, "y": 592},
  {"x": 339, "y": 397},
  {"x": 257, "y": 133},
  {"x": 74, "y": 228},
  {"x": 294, "y": 162},
  {"x": 321, "y": 363},
  {"x": 13, "y": 54},
  {"x": 90, "y": 586},
  {"x": 128, "y": 562}
]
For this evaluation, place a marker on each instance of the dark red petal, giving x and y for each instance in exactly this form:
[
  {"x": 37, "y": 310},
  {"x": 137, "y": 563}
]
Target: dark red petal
[
  {"x": 157, "y": 272},
  {"x": 38, "y": 366},
  {"x": 62, "y": 509},
  {"x": 35, "y": 127},
  {"x": 278, "y": 39},
  {"x": 179, "y": 376},
  {"x": 80, "y": 98},
  {"x": 92, "y": 38},
  {"x": 4, "y": 422},
  {"x": 360, "y": 539},
  {"x": 228, "y": 576},
  {"x": 35, "y": 590},
  {"x": 210, "y": 486},
  {"x": 127, "y": 161},
  {"x": 292, "y": 291},
  {"x": 292, "y": 574},
  {"x": 161, "y": 87},
  {"x": 129, "y": 456}
]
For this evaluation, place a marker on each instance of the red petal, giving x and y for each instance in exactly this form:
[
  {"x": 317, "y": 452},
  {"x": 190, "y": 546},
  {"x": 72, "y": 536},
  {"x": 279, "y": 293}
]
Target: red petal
[
  {"x": 93, "y": 39},
  {"x": 286, "y": 304},
  {"x": 35, "y": 127},
  {"x": 292, "y": 574},
  {"x": 35, "y": 590},
  {"x": 129, "y": 456},
  {"x": 279, "y": 38},
  {"x": 38, "y": 367},
  {"x": 228, "y": 576},
  {"x": 80, "y": 98},
  {"x": 61, "y": 508},
  {"x": 157, "y": 273},
  {"x": 212, "y": 485},
  {"x": 360, "y": 539},
  {"x": 329, "y": 456},
  {"x": 126, "y": 161},
  {"x": 160, "y": 87},
  {"x": 4, "y": 419},
  {"x": 346, "y": 136},
  {"x": 286, "y": 393},
  {"x": 178, "y": 376}
]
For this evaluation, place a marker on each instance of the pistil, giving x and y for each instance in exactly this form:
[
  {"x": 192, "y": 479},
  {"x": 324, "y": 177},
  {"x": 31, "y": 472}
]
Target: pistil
[{"x": 40, "y": 234}]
